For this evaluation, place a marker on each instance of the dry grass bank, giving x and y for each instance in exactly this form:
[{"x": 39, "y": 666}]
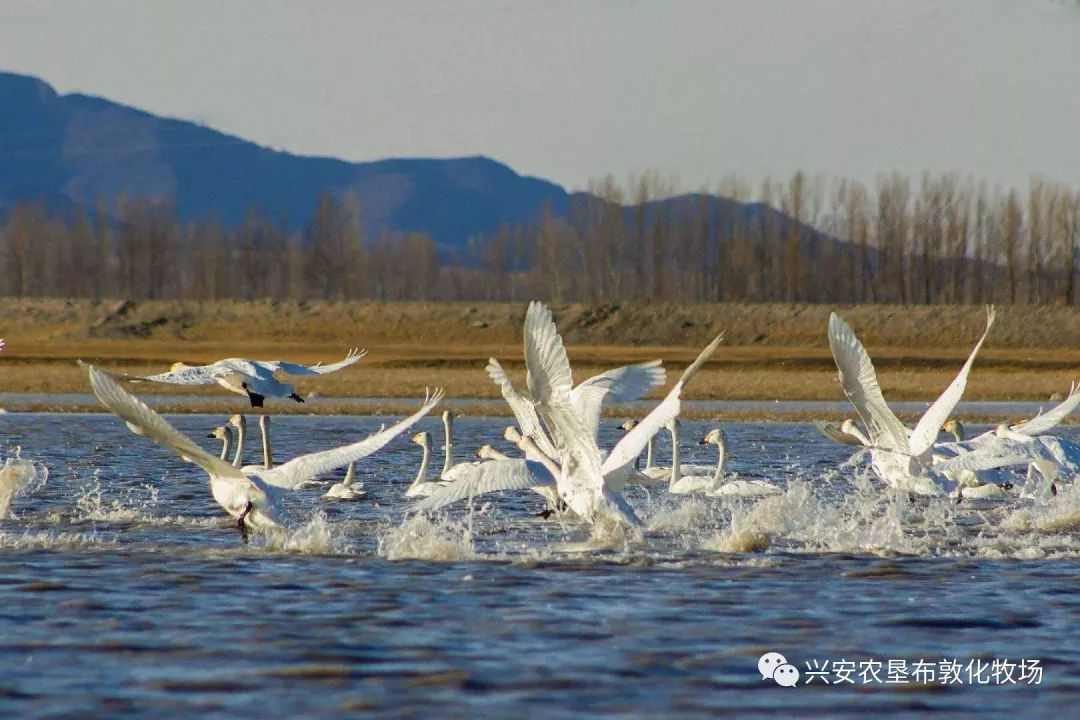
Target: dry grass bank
[{"x": 770, "y": 352}]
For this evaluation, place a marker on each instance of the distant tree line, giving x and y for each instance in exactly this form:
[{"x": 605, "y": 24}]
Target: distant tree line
[{"x": 942, "y": 240}]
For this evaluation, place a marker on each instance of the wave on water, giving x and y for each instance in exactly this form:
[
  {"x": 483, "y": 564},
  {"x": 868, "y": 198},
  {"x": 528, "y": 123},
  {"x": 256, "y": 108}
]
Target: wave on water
[{"x": 16, "y": 476}]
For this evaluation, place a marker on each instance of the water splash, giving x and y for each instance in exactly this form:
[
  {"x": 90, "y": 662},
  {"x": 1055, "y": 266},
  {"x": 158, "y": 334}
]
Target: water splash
[
  {"x": 16, "y": 476},
  {"x": 420, "y": 537}
]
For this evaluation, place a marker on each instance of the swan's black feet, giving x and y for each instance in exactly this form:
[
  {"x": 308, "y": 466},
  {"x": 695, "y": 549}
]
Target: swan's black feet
[
  {"x": 545, "y": 513},
  {"x": 296, "y": 397},
  {"x": 959, "y": 494},
  {"x": 241, "y": 525},
  {"x": 1053, "y": 489}
]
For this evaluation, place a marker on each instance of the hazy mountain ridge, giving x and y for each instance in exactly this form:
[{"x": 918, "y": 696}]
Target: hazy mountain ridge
[{"x": 78, "y": 148}]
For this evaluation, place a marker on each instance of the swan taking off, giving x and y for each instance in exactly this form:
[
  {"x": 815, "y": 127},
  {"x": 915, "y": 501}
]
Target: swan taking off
[
  {"x": 568, "y": 457},
  {"x": 253, "y": 499},
  {"x": 252, "y": 378},
  {"x": 902, "y": 459}
]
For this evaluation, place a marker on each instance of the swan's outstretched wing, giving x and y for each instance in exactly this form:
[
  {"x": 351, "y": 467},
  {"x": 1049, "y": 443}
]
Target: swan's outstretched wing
[
  {"x": 522, "y": 407},
  {"x": 144, "y": 421},
  {"x": 926, "y": 431},
  {"x": 1003, "y": 453},
  {"x": 624, "y": 384},
  {"x": 550, "y": 383},
  {"x": 354, "y": 356},
  {"x": 1051, "y": 418},
  {"x": 292, "y": 473},
  {"x": 194, "y": 375},
  {"x": 624, "y": 453},
  {"x": 835, "y": 434},
  {"x": 859, "y": 380},
  {"x": 472, "y": 479}
]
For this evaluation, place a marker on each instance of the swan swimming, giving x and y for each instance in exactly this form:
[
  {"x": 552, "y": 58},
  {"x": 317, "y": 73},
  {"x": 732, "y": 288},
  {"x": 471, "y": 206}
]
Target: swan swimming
[
  {"x": 251, "y": 378},
  {"x": 347, "y": 489},
  {"x": 733, "y": 486},
  {"x": 901, "y": 458},
  {"x": 679, "y": 483},
  {"x": 421, "y": 486}
]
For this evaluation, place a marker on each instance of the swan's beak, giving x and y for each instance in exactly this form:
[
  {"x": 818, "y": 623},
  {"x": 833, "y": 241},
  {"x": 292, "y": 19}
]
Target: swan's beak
[{"x": 703, "y": 441}]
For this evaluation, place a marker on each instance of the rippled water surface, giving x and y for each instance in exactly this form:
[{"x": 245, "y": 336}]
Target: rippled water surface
[{"x": 126, "y": 592}]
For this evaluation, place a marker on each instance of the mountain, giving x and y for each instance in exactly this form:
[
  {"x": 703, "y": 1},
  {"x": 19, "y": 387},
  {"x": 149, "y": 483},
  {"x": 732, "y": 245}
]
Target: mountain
[{"x": 77, "y": 148}]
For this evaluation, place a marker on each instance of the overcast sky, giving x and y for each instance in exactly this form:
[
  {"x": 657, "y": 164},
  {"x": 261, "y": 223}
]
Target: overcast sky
[{"x": 571, "y": 90}]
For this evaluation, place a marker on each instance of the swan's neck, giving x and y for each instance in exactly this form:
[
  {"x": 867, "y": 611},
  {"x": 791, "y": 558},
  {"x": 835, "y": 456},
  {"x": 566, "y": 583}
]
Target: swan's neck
[
  {"x": 350, "y": 475},
  {"x": 421, "y": 476},
  {"x": 551, "y": 465},
  {"x": 649, "y": 453},
  {"x": 268, "y": 453},
  {"x": 674, "y": 456},
  {"x": 720, "y": 461},
  {"x": 238, "y": 457},
  {"x": 226, "y": 443},
  {"x": 448, "y": 446},
  {"x": 958, "y": 432}
]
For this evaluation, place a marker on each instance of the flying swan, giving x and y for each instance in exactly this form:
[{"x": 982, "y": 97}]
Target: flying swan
[{"x": 252, "y": 378}]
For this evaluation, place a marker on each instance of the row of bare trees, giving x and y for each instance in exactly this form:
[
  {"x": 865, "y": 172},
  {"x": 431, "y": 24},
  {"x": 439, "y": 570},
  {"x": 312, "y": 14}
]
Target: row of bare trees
[{"x": 943, "y": 239}]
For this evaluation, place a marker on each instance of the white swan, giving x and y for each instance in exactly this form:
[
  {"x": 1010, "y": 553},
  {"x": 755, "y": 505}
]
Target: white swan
[
  {"x": 847, "y": 434},
  {"x": 678, "y": 483},
  {"x": 583, "y": 480},
  {"x": 1047, "y": 455},
  {"x": 347, "y": 489},
  {"x": 224, "y": 433},
  {"x": 251, "y": 501},
  {"x": 251, "y": 378},
  {"x": 239, "y": 422},
  {"x": 902, "y": 460},
  {"x": 658, "y": 475},
  {"x": 421, "y": 486},
  {"x": 733, "y": 486},
  {"x": 623, "y": 384}
]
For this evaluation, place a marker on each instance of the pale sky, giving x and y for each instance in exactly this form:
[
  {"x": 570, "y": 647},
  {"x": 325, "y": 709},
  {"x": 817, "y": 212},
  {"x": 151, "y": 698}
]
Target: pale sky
[{"x": 574, "y": 89}]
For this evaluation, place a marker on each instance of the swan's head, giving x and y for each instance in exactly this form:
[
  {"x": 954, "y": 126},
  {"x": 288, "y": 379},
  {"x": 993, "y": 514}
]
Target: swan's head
[
  {"x": 486, "y": 452},
  {"x": 954, "y": 427},
  {"x": 629, "y": 425},
  {"x": 178, "y": 366},
  {"x": 221, "y": 432},
  {"x": 672, "y": 425},
  {"x": 238, "y": 421},
  {"x": 448, "y": 417},
  {"x": 716, "y": 436},
  {"x": 1002, "y": 430},
  {"x": 422, "y": 438},
  {"x": 511, "y": 434}
]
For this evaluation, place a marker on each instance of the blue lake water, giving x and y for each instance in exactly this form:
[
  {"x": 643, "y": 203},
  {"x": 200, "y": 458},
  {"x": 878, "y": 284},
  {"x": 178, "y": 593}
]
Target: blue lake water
[{"x": 126, "y": 592}]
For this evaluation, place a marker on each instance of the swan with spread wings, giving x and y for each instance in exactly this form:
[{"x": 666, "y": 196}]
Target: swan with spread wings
[{"x": 251, "y": 378}]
